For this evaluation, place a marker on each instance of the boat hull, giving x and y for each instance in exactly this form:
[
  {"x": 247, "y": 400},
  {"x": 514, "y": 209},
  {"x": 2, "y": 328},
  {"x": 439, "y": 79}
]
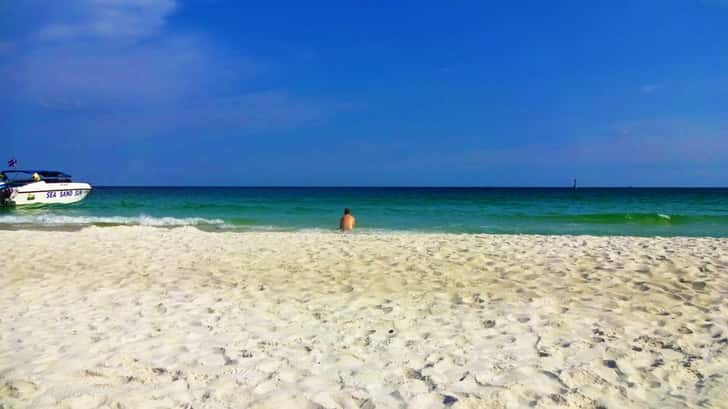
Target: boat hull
[{"x": 41, "y": 193}]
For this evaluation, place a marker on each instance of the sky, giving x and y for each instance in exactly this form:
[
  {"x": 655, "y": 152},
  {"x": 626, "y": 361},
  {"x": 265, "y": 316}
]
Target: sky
[{"x": 370, "y": 93}]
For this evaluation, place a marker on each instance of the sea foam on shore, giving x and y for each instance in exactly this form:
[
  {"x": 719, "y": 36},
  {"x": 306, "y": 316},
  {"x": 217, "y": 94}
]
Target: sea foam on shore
[{"x": 142, "y": 317}]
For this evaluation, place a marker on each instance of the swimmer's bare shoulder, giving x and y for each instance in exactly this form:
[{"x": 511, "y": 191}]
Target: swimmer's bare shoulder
[{"x": 348, "y": 221}]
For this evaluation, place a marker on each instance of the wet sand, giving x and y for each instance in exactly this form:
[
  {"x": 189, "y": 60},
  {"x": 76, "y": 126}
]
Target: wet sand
[{"x": 138, "y": 317}]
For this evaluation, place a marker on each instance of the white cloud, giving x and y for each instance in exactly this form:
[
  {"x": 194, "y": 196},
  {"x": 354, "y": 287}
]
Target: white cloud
[
  {"x": 154, "y": 72},
  {"x": 89, "y": 65},
  {"x": 85, "y": 52},
  {"x": 84, "y": 55}
]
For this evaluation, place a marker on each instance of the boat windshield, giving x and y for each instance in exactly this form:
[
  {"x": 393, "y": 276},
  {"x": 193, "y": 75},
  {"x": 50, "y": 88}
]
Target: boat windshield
[{"x": 22, "y": 177}]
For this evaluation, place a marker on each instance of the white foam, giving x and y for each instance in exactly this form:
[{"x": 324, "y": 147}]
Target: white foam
[
  {"x": 246, "y": 227},
  {"x": 360, "y": 230},
  {"x": 56, "y": 220},
  {"x": 663, "y": 216},
  {"x": 141, "y": 220}
]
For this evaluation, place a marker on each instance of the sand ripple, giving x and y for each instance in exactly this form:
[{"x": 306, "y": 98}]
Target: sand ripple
[{"x": 138, "y": 317}]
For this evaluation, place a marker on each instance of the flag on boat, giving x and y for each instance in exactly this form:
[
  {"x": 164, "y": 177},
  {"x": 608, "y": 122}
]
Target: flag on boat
[{"x": 12, "y": 163}]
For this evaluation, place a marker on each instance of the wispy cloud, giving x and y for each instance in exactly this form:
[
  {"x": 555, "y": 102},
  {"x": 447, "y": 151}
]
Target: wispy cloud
[
  {"x": 237, "y": 116},
  {"x": 111, "y": 19},
  {"x": 124, "y": 70},
  {"x": 166, "y": 69},
  {"x": 647, "y": 143},
  {"x": 650, "y": 88}
]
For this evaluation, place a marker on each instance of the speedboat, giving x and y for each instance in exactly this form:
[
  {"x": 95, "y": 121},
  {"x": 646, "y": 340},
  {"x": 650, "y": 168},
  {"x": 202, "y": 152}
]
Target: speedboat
[{"x": 38, "y": 187}]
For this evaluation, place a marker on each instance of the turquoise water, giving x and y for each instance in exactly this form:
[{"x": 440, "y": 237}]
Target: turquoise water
[{"x": 643, "y": 212}]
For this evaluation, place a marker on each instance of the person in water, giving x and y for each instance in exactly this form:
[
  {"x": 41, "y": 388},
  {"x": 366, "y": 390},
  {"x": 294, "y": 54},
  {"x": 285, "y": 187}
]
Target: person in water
[{"x": 347, "y": 222}]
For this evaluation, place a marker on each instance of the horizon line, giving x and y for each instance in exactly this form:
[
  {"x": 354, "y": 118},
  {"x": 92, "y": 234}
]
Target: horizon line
[{"x": 420, "y": 187}]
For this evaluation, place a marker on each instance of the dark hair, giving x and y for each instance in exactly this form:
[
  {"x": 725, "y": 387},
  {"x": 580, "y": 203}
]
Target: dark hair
[{"x": 347, "y": 211}]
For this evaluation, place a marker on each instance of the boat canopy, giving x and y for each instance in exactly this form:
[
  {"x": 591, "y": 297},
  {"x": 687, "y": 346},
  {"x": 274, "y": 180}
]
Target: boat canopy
[{"x": 15, "y": 177}]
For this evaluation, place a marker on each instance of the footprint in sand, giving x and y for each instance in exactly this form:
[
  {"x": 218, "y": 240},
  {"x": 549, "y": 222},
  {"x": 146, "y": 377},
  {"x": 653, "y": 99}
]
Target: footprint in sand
[{"x": 18, "y": 389}]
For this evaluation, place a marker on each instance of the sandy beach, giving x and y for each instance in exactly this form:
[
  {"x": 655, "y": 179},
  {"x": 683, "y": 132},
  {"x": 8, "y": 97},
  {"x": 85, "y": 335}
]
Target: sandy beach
[{"x": 140, "y": 317}]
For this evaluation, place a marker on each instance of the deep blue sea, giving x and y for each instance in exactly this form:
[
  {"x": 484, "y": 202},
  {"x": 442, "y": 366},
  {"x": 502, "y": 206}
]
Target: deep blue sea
[{"x": 597, "y": 211}]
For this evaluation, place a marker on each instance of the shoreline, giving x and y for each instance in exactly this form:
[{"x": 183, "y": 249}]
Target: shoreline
[
  {"x": 137, "y": 317},
  {"x": 359, "y": 231}
]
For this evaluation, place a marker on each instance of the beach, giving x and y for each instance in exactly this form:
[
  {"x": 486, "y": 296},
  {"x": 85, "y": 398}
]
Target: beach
[{"x": 149, "y": 317}]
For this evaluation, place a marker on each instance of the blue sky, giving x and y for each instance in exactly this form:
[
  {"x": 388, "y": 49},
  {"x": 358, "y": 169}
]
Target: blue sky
[{"x": 165, "y": 92}]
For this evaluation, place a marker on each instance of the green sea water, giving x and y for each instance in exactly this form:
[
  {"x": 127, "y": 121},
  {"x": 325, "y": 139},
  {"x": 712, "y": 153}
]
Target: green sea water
[{"x": 624, "y": 211}]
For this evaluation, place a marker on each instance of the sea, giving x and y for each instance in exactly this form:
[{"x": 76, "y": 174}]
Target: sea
[{"x": 592, "y": 211}]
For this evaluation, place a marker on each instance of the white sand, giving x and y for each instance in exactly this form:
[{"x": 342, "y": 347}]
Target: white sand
[{"x": 135, "y": 317}]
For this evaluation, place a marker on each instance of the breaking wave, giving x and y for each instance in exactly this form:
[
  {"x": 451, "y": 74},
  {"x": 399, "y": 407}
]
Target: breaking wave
[{"x": 141, "y": 220}]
